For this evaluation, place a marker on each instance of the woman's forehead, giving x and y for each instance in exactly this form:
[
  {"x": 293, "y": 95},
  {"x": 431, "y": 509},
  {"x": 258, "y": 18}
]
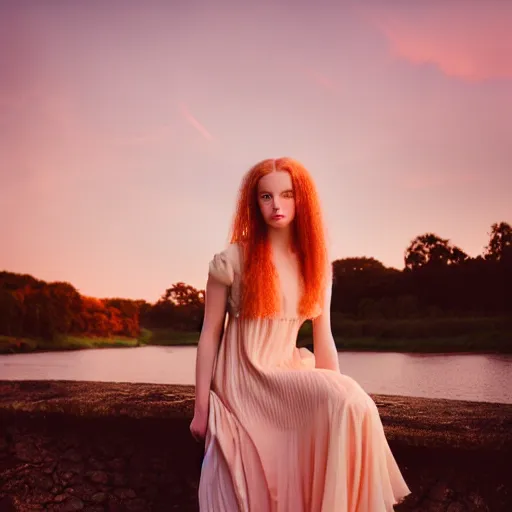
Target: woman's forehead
[{"x": 276, "y": 181}]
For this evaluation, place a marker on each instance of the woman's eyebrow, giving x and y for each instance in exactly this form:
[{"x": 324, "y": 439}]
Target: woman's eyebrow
[{"x": 282, "y": 192}]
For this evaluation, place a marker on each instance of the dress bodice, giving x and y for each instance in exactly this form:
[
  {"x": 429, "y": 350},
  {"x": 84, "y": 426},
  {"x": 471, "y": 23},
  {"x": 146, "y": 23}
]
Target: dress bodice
[{"x": 227, "y": 267}]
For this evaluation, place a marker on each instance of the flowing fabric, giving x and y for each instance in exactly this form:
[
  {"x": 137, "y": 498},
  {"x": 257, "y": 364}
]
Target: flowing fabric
[{"x": 284, "y": 436}]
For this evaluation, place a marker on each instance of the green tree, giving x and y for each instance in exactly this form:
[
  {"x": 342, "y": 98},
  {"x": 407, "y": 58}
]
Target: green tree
[
  {"x": 11, "y": 312},
  {"x": 65, "y": 306},
  {"x": 360, "y": 278},
  {"x": 352, "y": 265},
  {"x": 500, "y": 243},
  {"x": 181, "y": 294},
  {"x": 430, "y": 249}
]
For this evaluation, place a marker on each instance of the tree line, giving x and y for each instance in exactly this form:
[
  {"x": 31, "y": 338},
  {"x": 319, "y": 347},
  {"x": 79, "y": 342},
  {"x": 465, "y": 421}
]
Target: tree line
[{"x": 438, "y": 280}]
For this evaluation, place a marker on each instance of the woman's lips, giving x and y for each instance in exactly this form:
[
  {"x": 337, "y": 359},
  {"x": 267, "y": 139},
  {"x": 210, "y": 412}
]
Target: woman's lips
[{"x": 277, "y": 217}]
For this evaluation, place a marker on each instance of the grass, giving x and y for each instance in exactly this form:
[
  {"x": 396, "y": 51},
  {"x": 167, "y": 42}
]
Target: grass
[
  {"x": 420, "y": 335},
  {"x": 470, "y": 342},
  {"x": 160, "y": 336},
  {"x": 10, "y": 345},
  {"x": 168, "y": 337},
  {"x": 457, "y": 344}
]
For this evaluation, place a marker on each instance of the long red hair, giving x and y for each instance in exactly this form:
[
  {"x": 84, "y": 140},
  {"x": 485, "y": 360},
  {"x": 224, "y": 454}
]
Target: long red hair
[{"x": 260, "y": 297}]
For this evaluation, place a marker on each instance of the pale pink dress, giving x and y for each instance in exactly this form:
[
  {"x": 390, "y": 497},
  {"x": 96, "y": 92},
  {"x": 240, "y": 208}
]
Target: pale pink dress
[{"x": 282, "y": 435}]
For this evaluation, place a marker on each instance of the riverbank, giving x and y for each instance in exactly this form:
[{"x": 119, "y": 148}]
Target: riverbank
[
  {"x": 120, "y": 447},
  {"x": 476, "y": 343},
  {"x": 14, "y": 345}
]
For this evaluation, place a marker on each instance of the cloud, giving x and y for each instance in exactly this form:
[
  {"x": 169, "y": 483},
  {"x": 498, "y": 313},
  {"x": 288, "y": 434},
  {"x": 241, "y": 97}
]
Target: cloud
[
  {"x": 468, "y": 40},
  {"x": 195, "y": 123},
  {"x": 163, "y": 133}
]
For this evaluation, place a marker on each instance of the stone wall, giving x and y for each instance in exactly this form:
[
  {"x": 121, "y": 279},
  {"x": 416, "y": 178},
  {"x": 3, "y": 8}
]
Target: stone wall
[
  {"x": 67, "y": 446},
  {"x": 59, "y": 463}
]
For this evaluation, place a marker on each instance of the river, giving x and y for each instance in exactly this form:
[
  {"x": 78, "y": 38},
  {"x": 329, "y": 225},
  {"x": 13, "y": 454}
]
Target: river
[{"x": 477, "y": 377}]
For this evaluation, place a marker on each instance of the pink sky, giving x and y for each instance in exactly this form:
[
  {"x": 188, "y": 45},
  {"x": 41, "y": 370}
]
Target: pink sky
[{"x": 126, "y": 127}]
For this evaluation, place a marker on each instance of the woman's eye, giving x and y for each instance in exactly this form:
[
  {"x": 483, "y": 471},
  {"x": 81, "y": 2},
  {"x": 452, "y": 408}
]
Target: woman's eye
[
  {"x": 265, "y": 197},
  {"x": 288, "y": 195}
]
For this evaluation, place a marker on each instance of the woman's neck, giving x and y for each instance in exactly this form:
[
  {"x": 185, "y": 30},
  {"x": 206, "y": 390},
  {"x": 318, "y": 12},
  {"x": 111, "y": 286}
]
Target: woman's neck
[{"x": 280, "y": 239}]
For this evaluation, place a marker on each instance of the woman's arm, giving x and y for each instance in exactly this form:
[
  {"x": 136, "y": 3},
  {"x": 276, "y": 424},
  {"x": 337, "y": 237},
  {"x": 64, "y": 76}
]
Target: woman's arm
[
  {"x": 214, "y": 317},
  {"x": 326, "y": 355}
]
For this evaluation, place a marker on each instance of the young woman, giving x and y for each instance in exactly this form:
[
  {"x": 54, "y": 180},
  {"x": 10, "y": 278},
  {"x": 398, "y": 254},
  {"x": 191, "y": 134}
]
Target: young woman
[{"x": 285, "y": 431}]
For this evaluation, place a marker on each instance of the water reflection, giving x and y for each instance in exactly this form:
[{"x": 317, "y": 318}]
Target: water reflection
[{"x": 480, "y": 377}]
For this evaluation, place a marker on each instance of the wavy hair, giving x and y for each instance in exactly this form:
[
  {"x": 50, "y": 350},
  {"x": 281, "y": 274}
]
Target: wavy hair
[{"x": 260, "y": 297}]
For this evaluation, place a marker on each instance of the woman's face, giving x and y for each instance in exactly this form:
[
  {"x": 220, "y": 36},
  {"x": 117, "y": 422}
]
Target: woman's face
[{"x": 276, "y": 199}]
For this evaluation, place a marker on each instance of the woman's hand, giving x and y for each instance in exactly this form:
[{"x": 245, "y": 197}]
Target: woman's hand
[{"x": 198, "y": 426}]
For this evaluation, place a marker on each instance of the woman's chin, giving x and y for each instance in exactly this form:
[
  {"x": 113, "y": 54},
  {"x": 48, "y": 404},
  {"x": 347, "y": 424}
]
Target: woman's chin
[{"x": 279, "y": 224}]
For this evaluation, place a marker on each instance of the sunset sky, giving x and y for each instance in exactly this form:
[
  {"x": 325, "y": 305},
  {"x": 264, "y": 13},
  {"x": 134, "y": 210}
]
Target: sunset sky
[{"x": 126, "y": 127}]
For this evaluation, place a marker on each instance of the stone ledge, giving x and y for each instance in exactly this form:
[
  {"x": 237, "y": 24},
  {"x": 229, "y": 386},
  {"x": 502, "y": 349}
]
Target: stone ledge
[
  {"x": 409, "y": 420},
  {"x": 115, "y": 447}
]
